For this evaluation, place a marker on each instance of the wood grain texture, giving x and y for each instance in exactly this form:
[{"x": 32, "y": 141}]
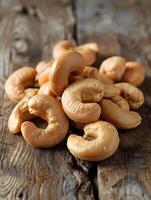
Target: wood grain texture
[
  {"x": 28, "y": 32},
  {"x": 122, "y": 28}
]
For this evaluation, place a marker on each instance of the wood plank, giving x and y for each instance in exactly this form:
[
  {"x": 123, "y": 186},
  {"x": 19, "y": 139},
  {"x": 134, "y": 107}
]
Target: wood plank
[
  {"x": 122, "y": 28},
  {"x": 28, "y": 31}
]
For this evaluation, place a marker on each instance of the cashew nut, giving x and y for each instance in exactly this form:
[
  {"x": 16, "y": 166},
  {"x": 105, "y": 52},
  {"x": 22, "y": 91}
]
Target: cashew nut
[
  {"x": 120, "y": 118},
  {"x": 70, "y": 63},
  {"x": 43, "y": 77},
  {"x": 18, "y": 81},
  {"x": 20, "y": 113},
  {"x": 90, "y": 72},
  {"x": 88, "y": 54},
  {"x": 79, "y": 100},
  {"x": 99, "y": 142},
  {"x": 134, "y": 74},
  {"x": 49, "y": 109},
  {"x": 91, "y": 45},
  {"x": 46, "y": 88},
  {"x": 62, "y": 47},
  {"x": 114, "y": 67},
  {"x": 132, "y": 94},
  {"x": 41, "y": 66},
  {"x": 88, "y": 50},
  {"x": 121, "y": 102}
]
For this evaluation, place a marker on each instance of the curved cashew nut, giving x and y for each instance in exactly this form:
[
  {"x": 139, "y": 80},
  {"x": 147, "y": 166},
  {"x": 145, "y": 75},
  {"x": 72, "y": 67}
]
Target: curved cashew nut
[
  {"x": 70, "y": 63},
  {"x": 18, "y": 81},
  {"x": 99, "y": 142},
  {"x": 88, "y": 54},
  {"x": 62, "y": 47},
  {"x": 120, "y": 118},
  {"x": 134, "y": 74},
  {"x": 133, "y": 95},
  {"x": 91, "y": 45},
  {"x": 20, "y": 113},
  {"x": 114, "y": 67},
  {"x": 90, "y": 72},
  {"x": 49, "y": 109},
  {"x": 46, "y": 88},
  {"x": 121, "y": 102},
  {"x": 41, "y": 66},
  {"x": 79, "y": 100}
]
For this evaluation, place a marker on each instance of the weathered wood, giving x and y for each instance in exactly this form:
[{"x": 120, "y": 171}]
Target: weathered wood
[
  {"x": 123, "y": 28},
  {"x": 28, "y": 31}
]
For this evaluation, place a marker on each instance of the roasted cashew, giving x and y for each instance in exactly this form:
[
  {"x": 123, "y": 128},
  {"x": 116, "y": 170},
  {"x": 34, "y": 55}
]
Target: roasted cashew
[
  {"x": 132, "y": 94},
  {"x": 49, "y": 109},
  {"x": 121, "y": 102},
  {"x": 79, "y": 100},
  {"x": 91, "y": 45},
  {"x": 88, "y": 50},
  {"x": 46, "y": 88},
  {"x": 70, "y": 63},
  {"x": 20, "y": 113},
  {"x": 120, "y": 118},
  {"x": 88, "y": 54},
  {"x": 43, "y": 77},
  {"x": 18, "y": 81},
  {"x": 114, "y": 67},
  {"x": 90, "y": 72},
  {"x": 62, "y": 47},
  {"x": 134, "y": 74},
  {"x": 99, "y": 142}
]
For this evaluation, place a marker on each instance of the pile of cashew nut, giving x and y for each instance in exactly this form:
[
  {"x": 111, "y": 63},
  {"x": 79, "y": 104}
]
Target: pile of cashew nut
[{"x": 69, "y": 90}]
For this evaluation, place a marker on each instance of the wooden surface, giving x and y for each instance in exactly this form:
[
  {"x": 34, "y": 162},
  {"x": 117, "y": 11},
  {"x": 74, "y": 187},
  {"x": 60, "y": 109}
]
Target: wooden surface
[{"x": 28, "y": 31}]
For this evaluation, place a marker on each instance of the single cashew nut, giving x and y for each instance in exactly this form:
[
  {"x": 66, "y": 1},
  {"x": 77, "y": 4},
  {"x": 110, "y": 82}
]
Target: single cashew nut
[
  {"x": 79, "y": 100},
  {"x": 114, "y": 67},
  {"x": 41, "y": 66},
  {"x": 43, "y": 77},
  {"x": 91, "y": 45},
  {"x": 99, "y": 142},
  {"x": 70, "y": 63},
  {"x": 120, "y": 118},
  {"x": 88, "y": 54},
  {"x": 90, "y": 72},
  {"x": 133, "y": 95},
  {"x": 121, "y": 102},
  {"x": 20, "y": 113},
  {"x": 49, "y": 109},
  {"x": 62, "y": 47},
  {"x": 134, "y": 74},
  {"x": 46, "y": 88},
  {"x": 18, "y": 81}
]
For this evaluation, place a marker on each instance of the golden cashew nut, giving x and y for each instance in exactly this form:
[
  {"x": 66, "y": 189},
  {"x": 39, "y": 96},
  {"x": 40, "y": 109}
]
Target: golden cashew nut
[
  {"x": 41, "y": 66},
  {"x": 49, "y": 109},
  {"x": 18, "y": 81},
  {"x": 70, "y": 63},
  {"x": 114, "y": 67},
  {"x": 121, "y": 102},
  {"x": 20, "y": 113},
  {"x": 88, "y": 54},
  {"x": 91, "y": 45},
  {"x": 120, "y": 118},
  {"x": 62, "y": 47},
  {"x": 79, "y": 100},
  {"x": 132, "y": 94},
  {"x": 134, "y": 74},
  {"x": 90, "y": 72},
  {"x": 46, "y": 88},
  {"x": 99, "y": 142}
]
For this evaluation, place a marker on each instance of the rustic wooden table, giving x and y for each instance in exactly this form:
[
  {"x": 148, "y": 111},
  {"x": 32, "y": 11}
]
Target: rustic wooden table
[{"x": 28, "y": 31}]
